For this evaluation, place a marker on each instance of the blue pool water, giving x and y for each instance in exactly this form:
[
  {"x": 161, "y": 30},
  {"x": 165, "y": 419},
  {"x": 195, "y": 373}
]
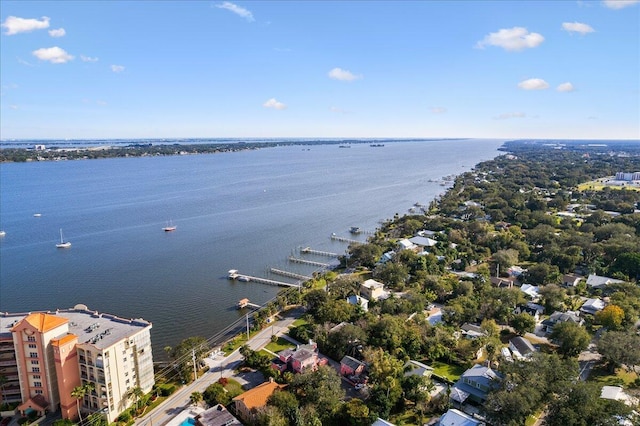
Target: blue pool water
[{"x": 189, "y": 421}]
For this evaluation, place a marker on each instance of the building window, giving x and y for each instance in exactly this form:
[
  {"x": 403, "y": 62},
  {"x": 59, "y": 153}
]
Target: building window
[
  {"x": 32, "y": 346},
  {"x": 37, "y": 384},
  {"x": 35, "y": 369},
  {"x": 38, "y": 391},
  {"x": 37, "y": 377},
  {"x": 31, "y": 338},
  {"x": 33, "y": 354},
  {"x": 35, "y": 362}
]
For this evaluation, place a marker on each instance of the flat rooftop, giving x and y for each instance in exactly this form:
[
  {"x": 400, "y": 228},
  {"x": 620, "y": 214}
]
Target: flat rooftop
[{"x": 99, "y": 329}]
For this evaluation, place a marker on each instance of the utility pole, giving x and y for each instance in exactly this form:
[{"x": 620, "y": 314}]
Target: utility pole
[
  {"x": 247, "y": 328},
  {"x": 195, "y": 367}
]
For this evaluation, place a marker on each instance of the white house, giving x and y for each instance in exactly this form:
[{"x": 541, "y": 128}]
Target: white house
[
  {"x": 359, "y": 301},
  {"x": 454, "y": 417},
  {"x": 591, "y": 306},
  {"x": 405, "y": 244},
  {"x": 531, "y": 291},
  {"x": 597, "y": 281},
  {"x": 423, "y": 241},
  {"x": 372, "y": 290}
]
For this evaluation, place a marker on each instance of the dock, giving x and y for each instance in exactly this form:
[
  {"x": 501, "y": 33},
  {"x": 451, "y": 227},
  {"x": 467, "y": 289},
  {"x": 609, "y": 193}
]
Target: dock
[
  {"x": 308, "y": 262},
  {"x": 235, "y": 275},
  {"x": 346, "y": 240},
  {"x": 243, "y": 303},
  {"x": 290, "y": 274},
  {"x": 309, "y": 250}
]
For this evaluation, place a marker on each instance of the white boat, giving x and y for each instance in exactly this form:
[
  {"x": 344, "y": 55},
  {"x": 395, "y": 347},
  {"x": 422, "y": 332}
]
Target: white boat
[
  {"x": 2, "y": 233},
  {"x": 170, "y": 227},
  {"x": 63, "y": 243},
  {"x": 37, "y": 214}
]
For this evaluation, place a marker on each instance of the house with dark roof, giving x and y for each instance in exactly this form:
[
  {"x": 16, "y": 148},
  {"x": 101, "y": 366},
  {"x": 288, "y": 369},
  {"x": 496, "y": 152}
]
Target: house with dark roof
[
  {"x": 216, "y": 416},
  {"x": 475, "y": 384},
  {"x": 298, "y": 359},
  {"x": 472, "y": 331},
  {"x": 521, "y": 347},
  {"x": 592, "y": 306},
  {"x": 558, "y": 316},
  {"x": 349, "y": 366},
  {"x": 530, "y": 308},
  {"x": 571, "y": 280}
]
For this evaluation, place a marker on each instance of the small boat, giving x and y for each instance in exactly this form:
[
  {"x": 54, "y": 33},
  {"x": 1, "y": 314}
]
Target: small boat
[
  {"x": 63, "y": 243},
  {"x": 2, "y": 233},
  {"x": 355, "y": 230},
  {"x": 37, "y": 214},
  {"x": 170, "y": 227}
]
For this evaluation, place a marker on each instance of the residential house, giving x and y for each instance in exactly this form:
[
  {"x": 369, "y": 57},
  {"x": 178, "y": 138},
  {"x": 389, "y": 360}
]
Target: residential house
[
  {"x": 415, "y": 368},
  {"x": 472, "y": 331},
  {"x": 596, "y": 281},
  {"x": 423, "y": 241},
  {"x": 521, "y": 347},
  {"x": 298, "y": 359},
  {"x": 216, "y": 416},
  {"x": 350, "y": 366},
  {"x": 530, "y": 308},
  {"x": 503, "y": 282},
  {"x": 618, "y": 394},
  {"x": 387, "y": 257},
  {"x": 531, "y": 291},
  {"x": 359, "y": 301},
  {"x": 372, "y": 290},
  {"x": 571, "y": 280},
  {"x": 591, "y": 306},
  {"x": 247, "y": 403},
  {"x": 455, "y": 417},
  {"x": 475, "y": 384},
  {"x": 405, "y": 244},
  {"x": 558, "y": 316}
]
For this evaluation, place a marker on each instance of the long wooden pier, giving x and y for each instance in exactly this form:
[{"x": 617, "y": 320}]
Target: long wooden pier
[
  {"x": 309, "y": 250},
  {"x": 235, "y": 275},
  {"x": 308, "y": 262},
  {"x": 290, "y": 274},
  {"x": 346, "y": 240}
]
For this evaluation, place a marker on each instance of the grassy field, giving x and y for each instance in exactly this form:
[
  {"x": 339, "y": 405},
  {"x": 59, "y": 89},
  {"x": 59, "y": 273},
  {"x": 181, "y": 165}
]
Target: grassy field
[
  {"x": 451, "y": 372},
  {"x": 279, "y": 345},
  {"x": 598, "y": 185},
  {"x": 620, "y": 378}
]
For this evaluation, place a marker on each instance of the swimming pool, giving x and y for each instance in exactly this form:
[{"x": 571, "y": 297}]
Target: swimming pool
[{"x": 189, "y": 421}]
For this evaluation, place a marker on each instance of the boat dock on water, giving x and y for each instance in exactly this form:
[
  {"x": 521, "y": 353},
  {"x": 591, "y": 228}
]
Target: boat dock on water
[{"x": 235, "y": 275}]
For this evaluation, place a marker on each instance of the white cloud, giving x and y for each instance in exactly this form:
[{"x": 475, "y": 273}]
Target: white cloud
[
  {"x": 343, "y": 75},
  {"x": 273, "y": 103},
  {"x": 565, "y": 87},
  {"x": 14, "y": 107},
  {"x": 88, "y": 59},
  {"x": 240, "y": 11},
  {"x": 619, "y": 4},
  {"x": 117, "y": 68},
  {"x": 60, "y": 32},
  {"x": 533, "y": 84},
  {"x": 516, "y": 38},
  {"x": 438, "y": 110},
  {"x": 55, "y": 55},
  {"x": 15, "y": 25},
  {"x": 508, "y": 115},
  {"x": 577, "y": 27},
  {"x": 339, "y": 110}
]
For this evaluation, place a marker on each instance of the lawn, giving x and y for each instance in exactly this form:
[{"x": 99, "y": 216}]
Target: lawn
[
  {"x": 604, "y": 377},
  {"x": 451, "y": 372},
  {"x": 279, "y": 345},
  {"x": 299, "y": 322}
]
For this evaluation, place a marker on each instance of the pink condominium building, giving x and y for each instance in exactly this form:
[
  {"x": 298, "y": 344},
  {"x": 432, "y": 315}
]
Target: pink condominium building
[{"x": 45, "y": 355}]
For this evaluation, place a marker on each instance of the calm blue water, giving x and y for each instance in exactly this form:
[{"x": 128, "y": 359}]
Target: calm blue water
[{"x": 247, "y": 210}]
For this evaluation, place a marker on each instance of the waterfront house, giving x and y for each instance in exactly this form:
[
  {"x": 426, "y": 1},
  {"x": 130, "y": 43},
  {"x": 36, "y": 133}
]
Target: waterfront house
[
  {"x": 248, "y": 403},
  {"x": 405, "y": 244},
  {"x": 299, "y": 359},
  {"x": 558, "y": 316},
  {"x": 521, "y": 347},
  {"x": 372, "y": 290},
  {"x": 475, "y": 384},
  {"x": 596, "y": 281},
  {"x": 591, "y": 306},
  {"x": 423, "y": 241},
  {"x": 216, "y": 416},
  {"x": 350, "y": 366}
]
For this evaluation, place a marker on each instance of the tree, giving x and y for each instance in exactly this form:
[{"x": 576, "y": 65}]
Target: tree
[
  {"x": 356, "y": 413},
  {"x": 610, "y": 317},
  {"x": 184, "y": 352},
  {"x": 287, "y": 404},
  {"x": 620, "y": 348},
  {"x": 571, "y": 337},
  {"x": 364, "y": 254},
  {"x": 553, "y": 296},
  {"x": 216, "y": 394},
  {"x": 136, "y": 393},
  {"x": 523, "y": 323},
  {"x": 195, "y": 398},
  {"x": 321, "y": 389},
  {"x": 79, "y": 392}
]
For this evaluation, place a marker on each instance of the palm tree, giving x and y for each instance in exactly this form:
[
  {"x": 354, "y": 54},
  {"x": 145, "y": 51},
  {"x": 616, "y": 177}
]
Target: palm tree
[
  {"x": 195, "y": 398},
  {"x": 136, "y": 393},
  {"x": 79, "y": 393}
]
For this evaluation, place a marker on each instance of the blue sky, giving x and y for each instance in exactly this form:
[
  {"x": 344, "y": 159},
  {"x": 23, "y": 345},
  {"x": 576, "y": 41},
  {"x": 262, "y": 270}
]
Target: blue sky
[{"x": 163, "y": 69}]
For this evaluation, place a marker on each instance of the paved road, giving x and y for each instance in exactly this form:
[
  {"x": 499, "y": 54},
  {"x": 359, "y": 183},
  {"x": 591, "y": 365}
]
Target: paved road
[{"x": 219, "y": 367}]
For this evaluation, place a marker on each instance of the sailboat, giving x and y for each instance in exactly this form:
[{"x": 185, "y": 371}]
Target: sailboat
[
  {"x": 63, "y": 243},
  {"x": 170, "y": 227}
]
